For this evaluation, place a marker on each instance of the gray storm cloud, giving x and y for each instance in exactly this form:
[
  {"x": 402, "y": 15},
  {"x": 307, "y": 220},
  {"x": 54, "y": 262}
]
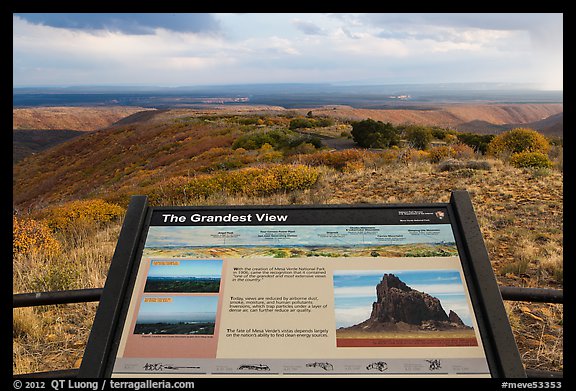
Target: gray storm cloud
[{"x": 133, "y": 23}]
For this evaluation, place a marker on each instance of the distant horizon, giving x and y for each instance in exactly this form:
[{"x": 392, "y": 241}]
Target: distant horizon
[
  {"x": 481, "y": 86},
  {"x": 286, "y": 95},
  {"x": 178, "y": 309}
]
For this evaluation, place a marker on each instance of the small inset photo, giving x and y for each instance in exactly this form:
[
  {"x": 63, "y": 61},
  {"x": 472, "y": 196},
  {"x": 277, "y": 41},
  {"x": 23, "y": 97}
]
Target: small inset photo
[
  {"x": 377, "y": 308},
  {"x": 180, "y": 315},
  {"x": 184, "y": 276}
]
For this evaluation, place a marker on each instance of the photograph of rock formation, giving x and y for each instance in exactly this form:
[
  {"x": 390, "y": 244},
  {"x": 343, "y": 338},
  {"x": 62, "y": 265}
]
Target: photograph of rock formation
[{"x": 398, "y": 314}]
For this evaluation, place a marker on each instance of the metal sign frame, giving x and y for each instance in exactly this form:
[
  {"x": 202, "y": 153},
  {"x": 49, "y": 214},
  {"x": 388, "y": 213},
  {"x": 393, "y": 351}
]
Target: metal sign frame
[{"x": 498, "y": 341}]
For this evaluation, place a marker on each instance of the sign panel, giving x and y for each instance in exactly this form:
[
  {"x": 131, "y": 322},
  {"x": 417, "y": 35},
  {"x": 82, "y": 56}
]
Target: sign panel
[{"x": 301, "y": 291}]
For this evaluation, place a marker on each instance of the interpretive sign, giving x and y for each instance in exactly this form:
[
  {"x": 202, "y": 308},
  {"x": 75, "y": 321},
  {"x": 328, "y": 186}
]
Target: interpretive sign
[{"x": 321, "y": 291}]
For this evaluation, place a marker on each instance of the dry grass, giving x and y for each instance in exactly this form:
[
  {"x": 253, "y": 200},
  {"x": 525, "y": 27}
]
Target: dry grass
[
  {"x": 54, "y": 337},
  {"x": 50, "y": 337},
  {"x": 520, "y": 215},
  {"x": 538, "y": 330}
]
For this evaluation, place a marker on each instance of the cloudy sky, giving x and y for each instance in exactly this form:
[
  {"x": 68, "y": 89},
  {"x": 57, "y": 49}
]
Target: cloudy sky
[{"x": 201, "y": 49}]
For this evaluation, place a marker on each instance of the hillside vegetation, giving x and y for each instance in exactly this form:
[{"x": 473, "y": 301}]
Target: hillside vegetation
[
  {"x": 30, "y": 142},
  {"x": 69, "y": 203},
  {"x": 39, "y": 128},
  {"x": 126, "y": 158},
  {"x": 453, "y": 116},
  {"x": 70, "y": 118}
]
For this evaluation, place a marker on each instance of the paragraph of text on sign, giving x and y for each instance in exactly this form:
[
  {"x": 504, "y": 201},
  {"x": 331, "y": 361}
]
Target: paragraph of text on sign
[
  {"x": 280, "y": 304},
  {"x": 257, "y": 274},
  {"x": 277, "y": 333}
]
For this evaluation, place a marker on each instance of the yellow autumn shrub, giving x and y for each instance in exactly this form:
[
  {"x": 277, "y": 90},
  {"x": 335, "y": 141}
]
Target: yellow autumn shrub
[
  {"x": 453, "y": 151},
  {"x": 238, "y": 181},
  {"x": 339, "y": 159},
  {"x": 294, "y": 177},
  {"x": 62, "y": 217},
  {"x": 254, "y": 184},
  {"x": 518, "y": 140},
  {"x": 250, "y": 181},
  {"x": 354, "y": 166},
  {"x": 201, "y": 186},
  {"x": 528, "y": 159},
  {"x": 390, "y": 155},
  {"x": 29, "y": 235},
  {"x": 418, "y": 155}
]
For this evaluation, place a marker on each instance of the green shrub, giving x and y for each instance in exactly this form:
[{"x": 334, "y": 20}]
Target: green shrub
[
  {"x": 418, "y": 136},
  {"x": 530, "y": 160},
  {"x": 277, "y": 138},
  {"x": 479, "y": 142},
  {"x": 441, "y": 133},
  {"x": 323, "y": 122},
  {"x": 298, "y": 123},
  {"x": 255, "y": 140},
  {"x": 56, "y": 276},
  {"x": 305, "y": 139},
  {"x": 375, "y": 134},
  {"x": 309, "y": 122}
]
